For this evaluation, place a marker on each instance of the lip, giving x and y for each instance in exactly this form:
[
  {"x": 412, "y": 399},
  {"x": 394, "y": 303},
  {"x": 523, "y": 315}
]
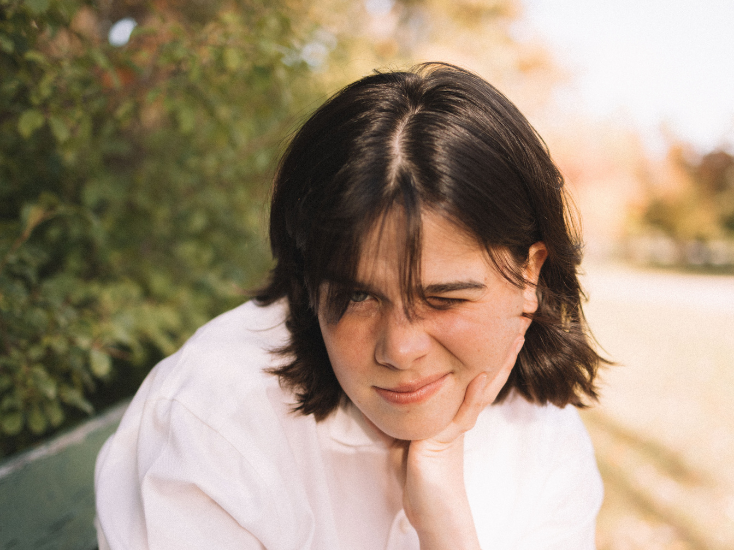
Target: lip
[{"x": 414, "y": 392}]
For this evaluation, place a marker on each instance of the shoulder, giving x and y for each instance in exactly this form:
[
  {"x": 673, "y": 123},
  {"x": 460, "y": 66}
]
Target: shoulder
[
  {"x": 229, "y": 353},
  {"x": 534, "y": 429},
  {"x": 204, "y": 436},
  {"x": 217, "y": 380},
  {"x": 217, "y": 374},
  {"x": 247, "y": 332},
  {"x": 538, "y": 464}
]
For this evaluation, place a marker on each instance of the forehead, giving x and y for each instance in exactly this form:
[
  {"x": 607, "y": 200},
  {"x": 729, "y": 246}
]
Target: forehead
[{"x": 443, "y": 249}]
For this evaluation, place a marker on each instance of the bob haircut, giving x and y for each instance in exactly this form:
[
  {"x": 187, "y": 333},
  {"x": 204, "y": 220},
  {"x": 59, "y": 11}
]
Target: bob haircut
[{"x": 436, "y": 138}]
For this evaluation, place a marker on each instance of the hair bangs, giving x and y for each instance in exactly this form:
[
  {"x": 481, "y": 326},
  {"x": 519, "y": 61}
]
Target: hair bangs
[{"x": 399, "y": 215}]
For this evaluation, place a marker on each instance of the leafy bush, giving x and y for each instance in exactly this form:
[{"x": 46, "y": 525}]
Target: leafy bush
[{"x": 132, "y": 184}]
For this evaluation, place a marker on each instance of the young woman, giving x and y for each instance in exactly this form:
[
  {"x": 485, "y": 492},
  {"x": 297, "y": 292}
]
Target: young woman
[{"x": 403, "y": 380}]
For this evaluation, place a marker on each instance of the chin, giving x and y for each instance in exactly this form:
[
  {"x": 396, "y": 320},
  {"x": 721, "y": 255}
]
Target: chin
[{"x": 411, "y": 432}]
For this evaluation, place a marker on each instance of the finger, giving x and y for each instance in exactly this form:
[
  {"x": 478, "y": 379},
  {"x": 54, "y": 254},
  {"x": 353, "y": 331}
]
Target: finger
[
  {"x": 480, "y": 392},
  {"x": 473, "y": 403},
  {"x": 468, "y": 412}
]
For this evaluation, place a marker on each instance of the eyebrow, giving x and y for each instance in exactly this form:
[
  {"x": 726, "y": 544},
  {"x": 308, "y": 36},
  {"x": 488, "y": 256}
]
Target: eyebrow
[
  {"x": 436, "y": 288},
  {"x": 441, "y": 288}
]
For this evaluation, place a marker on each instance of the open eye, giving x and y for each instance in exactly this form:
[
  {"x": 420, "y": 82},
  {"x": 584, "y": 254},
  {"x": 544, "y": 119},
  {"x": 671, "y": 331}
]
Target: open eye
[{"x": 358, "y": 296}]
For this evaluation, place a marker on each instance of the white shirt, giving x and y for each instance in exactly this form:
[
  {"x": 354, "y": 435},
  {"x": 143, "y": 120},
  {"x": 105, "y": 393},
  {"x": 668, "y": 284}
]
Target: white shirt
[{"x": 209, "y": 455}]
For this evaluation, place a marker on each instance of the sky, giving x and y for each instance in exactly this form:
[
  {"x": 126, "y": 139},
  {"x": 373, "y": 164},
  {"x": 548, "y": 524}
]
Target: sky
[{"x": 665, "y": 66}]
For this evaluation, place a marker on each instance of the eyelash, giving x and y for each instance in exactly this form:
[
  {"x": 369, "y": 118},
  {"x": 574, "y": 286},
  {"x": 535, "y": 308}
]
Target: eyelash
[
  {"x": 443, "y": 303},
  {"x": 435, "y": 302}
]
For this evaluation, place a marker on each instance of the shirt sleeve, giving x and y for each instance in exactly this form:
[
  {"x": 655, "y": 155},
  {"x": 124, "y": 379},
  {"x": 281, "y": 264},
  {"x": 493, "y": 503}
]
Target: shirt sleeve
[{"x": 184, "y": 487}]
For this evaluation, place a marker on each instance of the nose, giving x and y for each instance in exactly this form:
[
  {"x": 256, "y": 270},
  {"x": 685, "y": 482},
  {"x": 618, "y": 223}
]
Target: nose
[{"x": 401, "y": 340}]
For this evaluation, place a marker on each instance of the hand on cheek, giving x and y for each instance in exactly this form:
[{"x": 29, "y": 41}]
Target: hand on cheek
[{"x": 434, "y": 497}]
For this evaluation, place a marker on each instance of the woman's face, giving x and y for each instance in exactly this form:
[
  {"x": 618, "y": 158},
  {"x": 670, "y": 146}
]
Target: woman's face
[{"x": 408, "y": 376}]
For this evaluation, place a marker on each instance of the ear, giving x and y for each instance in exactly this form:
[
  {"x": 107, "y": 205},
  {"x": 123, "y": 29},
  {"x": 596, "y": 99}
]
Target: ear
[{"x": 531, "y": 273}]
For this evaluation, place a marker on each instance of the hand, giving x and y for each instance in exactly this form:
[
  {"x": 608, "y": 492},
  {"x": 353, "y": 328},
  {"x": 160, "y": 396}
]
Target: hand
[{"x": 434, "y": 495}]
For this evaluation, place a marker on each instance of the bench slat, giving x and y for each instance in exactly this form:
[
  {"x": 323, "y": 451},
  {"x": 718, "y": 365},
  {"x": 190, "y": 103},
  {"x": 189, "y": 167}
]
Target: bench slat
[{"x": 47, "y": 493}]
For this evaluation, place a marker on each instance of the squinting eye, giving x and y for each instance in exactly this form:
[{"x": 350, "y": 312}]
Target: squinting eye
[
  {"x": 358, "y": 297},
  {"x": 439, "y": 302}
]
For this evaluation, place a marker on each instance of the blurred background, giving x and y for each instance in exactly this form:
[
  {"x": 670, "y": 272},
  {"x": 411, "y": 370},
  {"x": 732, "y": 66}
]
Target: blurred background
[{"x": 138, "y": 139}]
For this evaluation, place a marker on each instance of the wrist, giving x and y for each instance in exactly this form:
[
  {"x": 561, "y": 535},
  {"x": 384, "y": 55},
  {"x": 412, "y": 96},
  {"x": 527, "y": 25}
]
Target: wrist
[
  {"x": 440, "y": 511},
  {"x": 455, "y": 531}
]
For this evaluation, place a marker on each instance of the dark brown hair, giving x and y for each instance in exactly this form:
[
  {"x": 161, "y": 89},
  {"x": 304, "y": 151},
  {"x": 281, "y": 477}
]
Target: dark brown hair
[{"x": 434, "y": 138}]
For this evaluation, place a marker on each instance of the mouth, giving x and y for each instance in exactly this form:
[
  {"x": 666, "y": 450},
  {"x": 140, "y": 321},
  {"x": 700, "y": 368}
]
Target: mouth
[{"x": 416, "y": 392}]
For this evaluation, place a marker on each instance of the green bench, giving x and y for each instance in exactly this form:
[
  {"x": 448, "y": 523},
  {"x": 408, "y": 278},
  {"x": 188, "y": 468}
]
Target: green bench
[{"x": 47, "y": 493}]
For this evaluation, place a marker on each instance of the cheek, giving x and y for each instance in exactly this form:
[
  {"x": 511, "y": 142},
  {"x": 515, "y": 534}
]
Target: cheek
[
  {"x": 479, "y": 339},
  {"x": 348, "y": 346}
]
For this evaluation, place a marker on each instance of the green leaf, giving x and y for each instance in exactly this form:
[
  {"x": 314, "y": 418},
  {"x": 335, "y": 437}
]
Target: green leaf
[
  {"x": 38, "y": 6},
  {"x": 100, "y": 363},
  {"x": 32, "y": 215},
  {"x": 37, "y": 422},
  {"x": 59, "y": 128},
  {"x": 36, "y": 352},
  {"x": 72, "y": 396},
  {"x": 45, "y": 384},
  {"x": 30, "y": 121},
  {"x": 38, "y": 57},
  {"x": 186, "y": 119},
  {"x": 12, "y": 423},
  {"x": 103, "y": 61},
  {"x": 10, "y": 402},
  {"x": 232, "y": 59},
  {"x": 54, "y": 413},
  {"x": 6, "y": 44}
]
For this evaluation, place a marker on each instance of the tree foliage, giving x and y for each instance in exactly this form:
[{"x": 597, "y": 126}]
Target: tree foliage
[
  {"x": 703, "y": 209},
  {"x": 132, "y": 184}
]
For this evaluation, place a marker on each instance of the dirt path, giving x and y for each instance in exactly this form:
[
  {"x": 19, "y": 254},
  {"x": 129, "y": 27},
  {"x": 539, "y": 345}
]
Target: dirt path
[{"x": 664, "y": 433}]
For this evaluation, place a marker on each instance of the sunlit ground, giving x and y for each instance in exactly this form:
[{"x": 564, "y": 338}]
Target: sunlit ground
[{"x": 664, "y": 432}]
